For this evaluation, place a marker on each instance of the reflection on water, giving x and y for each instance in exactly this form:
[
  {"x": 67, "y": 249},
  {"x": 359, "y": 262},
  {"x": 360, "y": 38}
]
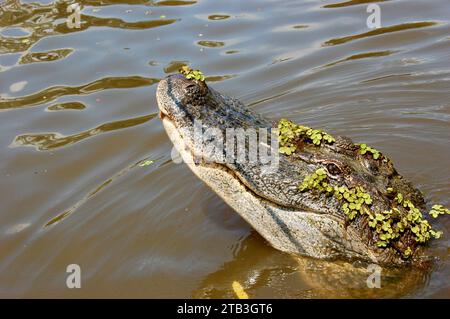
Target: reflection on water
[
  {"x": 66, "y": 106},
  {"x": 211, "y": 44},
  {"x": 218, "y": 17},
  {"x": 45, "y": 56},
  {"x": 50, "y": 141},
  {"x": 362, "y": 56},
  {"x": 43, "y": 19},
  {"x": 78, "y": 114},
  {"x": 395, "y": 28},
  {"x": 319, "y": 279},
  {"x": 351, "y": 3},
  {"x": 52, "y": 93}
]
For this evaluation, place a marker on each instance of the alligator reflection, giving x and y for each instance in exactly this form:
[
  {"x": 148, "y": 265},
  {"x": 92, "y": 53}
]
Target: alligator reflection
[{"x": 275, "y": 274}]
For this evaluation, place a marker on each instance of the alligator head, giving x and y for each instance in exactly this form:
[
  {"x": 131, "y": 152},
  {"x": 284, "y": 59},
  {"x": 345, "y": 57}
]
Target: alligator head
[{"x": 311, "y": 220}]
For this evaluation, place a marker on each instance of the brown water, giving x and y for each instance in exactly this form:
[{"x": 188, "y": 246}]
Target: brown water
[{"x": 78, "y": 115}]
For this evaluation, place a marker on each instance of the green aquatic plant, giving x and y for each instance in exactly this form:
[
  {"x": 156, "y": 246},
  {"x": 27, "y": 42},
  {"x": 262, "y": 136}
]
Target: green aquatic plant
[
  {"x": 314, "y": 181},
  {"x": 364, "y": 149},
  {"x": 146, "y": 163},
  {"x": 192, "y": 74},
  {"x": 402, "y": 219},
  {"x": 388, "y": 225},
  {"x": 437, "y": 210},
  {"x": 385, "y": 226},
  {"x": 415, "y": 222},
  {"x": 407, "y": 253},
  {"x": 353, "y": 199},
  {"x": 289, "y": 134}
]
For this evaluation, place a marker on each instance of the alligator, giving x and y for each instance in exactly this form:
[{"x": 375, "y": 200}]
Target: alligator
[
  {"x": 328, "y": 198},
  {"x": 264, "y": 273}
]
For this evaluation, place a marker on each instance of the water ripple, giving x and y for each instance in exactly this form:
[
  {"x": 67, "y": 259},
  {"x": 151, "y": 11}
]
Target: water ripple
[
  {"x": 395, "y": 28},
  {"x": 54, "y": 92},
  {"x": 66, "y": 106},
  {"x": 351, "y": 3},
  {"x": 359, "y": 56},
  {"x": 47, "y": 56},
  {"x": 174, "y": 3},
  {"x": 218, "y": 17},
  {"x": 49, "y": 141},
  {"x": 42, "y": 21},
  {"x": 211, "y": 44}
]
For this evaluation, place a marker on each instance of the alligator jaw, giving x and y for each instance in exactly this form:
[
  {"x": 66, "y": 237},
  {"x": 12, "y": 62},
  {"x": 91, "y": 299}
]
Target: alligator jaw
[{"x": 292, "y": 231}]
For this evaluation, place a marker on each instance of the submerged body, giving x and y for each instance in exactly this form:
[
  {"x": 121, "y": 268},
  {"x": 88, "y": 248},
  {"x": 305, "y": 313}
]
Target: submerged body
[{"x": 308, "y": 223}]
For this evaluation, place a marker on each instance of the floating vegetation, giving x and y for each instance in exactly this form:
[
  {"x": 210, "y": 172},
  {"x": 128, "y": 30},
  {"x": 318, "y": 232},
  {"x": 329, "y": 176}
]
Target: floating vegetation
[
  {"x": 353, "y": 199},
  {"x": 192, "y": 74},
  {"x": 315, "y": 181},
  {"x": 413, "y": 220},
  {"x": 146, "y": 163},
  {"x": 289, "y": 134},
  {"x": 389, "y": 225},
  {"x": 437, "y": 210},
  {"x": 364, "y": 149}
]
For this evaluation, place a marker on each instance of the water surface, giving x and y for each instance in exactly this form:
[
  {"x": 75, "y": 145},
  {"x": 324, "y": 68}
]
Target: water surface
[{"x": 78, "y": 115}]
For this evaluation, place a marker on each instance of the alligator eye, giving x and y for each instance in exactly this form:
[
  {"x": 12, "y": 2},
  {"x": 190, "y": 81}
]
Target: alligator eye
[{"x": 333, "y": 169}]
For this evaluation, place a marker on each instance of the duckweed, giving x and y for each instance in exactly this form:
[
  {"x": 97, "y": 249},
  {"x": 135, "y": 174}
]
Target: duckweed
[
  {"x": 385, "y": 226},
  {"x": 146, "y": 163},
  {"x": 290, "y": 133},
  {"x": 389, "y": 225},
  {"x": 437, "y": 210},
  {"x": 407, "y": 253},
  {"x": 315, "y": 181},
  {"x": 353, "y": 199},
  {"x": 192, "y": 74},
  {"x": 364, "y": 149},
  {"x": 415, "y": 222}
]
